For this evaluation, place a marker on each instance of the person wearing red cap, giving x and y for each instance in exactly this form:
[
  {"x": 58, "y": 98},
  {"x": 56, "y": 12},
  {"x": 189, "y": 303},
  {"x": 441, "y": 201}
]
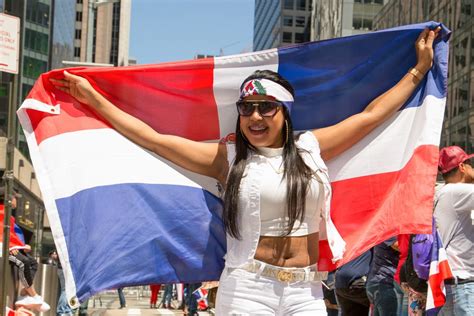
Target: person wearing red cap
[{"x": 453, "y": 213}]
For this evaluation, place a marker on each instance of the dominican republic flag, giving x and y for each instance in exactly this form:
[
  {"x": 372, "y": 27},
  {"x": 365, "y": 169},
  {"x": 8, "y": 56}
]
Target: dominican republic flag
[
  {"x": 439, "y": 272},
  {"x": 16, "y": 241},
  {"x": 121, "y": 216},
  {"x": 201, "y": 297}
]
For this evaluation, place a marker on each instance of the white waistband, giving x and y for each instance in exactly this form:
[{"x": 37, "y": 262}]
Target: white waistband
[{"x": 284, "y": 274}]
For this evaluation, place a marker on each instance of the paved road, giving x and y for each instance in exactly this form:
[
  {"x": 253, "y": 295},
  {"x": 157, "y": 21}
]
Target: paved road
[{"x": 135, "y": 306}]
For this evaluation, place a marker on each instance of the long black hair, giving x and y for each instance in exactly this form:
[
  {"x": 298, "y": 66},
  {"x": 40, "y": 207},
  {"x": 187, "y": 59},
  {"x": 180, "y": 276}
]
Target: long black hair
[{"x": 296, "y": 172}]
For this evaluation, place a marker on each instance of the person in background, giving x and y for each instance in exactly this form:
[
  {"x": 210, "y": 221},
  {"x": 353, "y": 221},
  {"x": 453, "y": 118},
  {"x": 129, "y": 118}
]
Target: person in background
[
  {"x": 350, "y": 286},
  {"x": 26, "y": 264},
  {"x": 63, "y": 308},
  {"x": 123, "y": 303},
  {"x": 154, "y": 288},
  {"x": 83, "y": 308},
  {"x": 167, "y": 296},
  {"x": 383, "y": 292},
  {"x": 191, "y": 302},
  {"x": 454, "y": 214},
  {"x": 403, "y": 245},
  {"x": 329, "y": 295}
]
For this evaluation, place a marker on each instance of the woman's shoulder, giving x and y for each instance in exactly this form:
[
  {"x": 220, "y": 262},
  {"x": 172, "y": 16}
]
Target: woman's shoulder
[{"x": 308, "y": 142}]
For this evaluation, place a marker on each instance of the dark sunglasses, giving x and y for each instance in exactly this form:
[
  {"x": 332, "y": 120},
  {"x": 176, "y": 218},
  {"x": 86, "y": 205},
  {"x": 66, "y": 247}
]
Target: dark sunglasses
[{"x": 265, "y": 108}]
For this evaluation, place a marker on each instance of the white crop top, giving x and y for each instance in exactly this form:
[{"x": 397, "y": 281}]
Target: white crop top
[
  {"x": 242, "y": 250},
  {"x": 273, "y": 194}
]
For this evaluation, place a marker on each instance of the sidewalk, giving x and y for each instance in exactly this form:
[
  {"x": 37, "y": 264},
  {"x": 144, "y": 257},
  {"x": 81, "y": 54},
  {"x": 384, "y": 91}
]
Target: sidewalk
[{"x": 141, "y": 306}]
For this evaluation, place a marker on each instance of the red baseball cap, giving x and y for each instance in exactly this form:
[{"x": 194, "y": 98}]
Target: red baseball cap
[{"x": 450, "y": 158}]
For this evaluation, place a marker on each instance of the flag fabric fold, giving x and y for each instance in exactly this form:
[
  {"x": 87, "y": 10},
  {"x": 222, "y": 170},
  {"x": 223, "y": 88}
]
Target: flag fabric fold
[
  {"x": 122, "y": 216},
  {"x": 440, "y": 271}
]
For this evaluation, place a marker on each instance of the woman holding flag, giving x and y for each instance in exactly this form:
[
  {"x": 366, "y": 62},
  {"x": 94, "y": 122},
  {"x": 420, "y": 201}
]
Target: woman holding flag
[{"x": 276, "y": 185}]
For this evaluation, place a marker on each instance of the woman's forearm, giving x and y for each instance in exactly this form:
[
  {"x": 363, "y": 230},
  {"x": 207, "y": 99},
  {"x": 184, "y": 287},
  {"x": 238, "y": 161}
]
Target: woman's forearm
[{"x": 126, "y": 124}]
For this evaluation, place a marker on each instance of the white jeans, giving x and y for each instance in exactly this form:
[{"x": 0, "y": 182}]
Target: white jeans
[{"x": 245, "y": 293}]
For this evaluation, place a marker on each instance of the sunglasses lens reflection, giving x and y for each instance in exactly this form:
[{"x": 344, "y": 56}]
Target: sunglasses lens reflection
[{"x": 266, "y": 108}]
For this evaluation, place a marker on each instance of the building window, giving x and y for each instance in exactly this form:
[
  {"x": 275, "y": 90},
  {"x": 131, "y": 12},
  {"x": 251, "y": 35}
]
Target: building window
[
  {"x": 37, "y": 12},
  {"x": 289, "y": 4},
  {"x": 33, "y": 68},
  {"x": 300, "y": 21},
  {"x": 79, "y": 1},
  {"x": 79, "y": 16},
  {"x": 367, "y": 24},
  {"x": 299, "y": 38},
  {"x": 287, "y": 20},
  {"x": 357, "y": 24},
  {"x": 77, "y": 52},
  {"x": 301, "y": 5},
  {"x": 36, "y": 41},
  {"x": 287, "y": 37},
  {"x": 114, "y": 49},
  {"x": 78, "y": 34},
  {"x": 361, "y": 24}
]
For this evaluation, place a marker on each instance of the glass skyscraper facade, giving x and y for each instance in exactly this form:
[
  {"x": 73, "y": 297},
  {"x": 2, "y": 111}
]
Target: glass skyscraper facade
[
  {"x": 37, "y": 39},
  {"x": 35, "y": 44},
  {"x": 64, "y": 26},
  {"x": 336, "y": 18},
  {"x": 458, "y": 16},
  {"x": 35, "y": 58},
  {"x": 281, "y": 22},
  {"x": 266, "y": 24}
]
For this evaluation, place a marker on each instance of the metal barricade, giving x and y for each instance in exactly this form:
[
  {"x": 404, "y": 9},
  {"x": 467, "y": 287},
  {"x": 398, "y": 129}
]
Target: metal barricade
[
  {"x": 47, "y": 285},
  {"x": 11, "y": 284}
]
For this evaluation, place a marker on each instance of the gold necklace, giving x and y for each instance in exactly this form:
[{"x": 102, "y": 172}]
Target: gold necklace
[{"x": 280, "y": 170}]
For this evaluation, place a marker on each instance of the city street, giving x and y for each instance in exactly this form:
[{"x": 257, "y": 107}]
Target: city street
[{"x": 108, "y": 304}]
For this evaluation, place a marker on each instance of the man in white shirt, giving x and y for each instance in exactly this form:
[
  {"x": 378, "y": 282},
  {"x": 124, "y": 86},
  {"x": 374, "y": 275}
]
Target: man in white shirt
[{"x": 454, "y": 206}]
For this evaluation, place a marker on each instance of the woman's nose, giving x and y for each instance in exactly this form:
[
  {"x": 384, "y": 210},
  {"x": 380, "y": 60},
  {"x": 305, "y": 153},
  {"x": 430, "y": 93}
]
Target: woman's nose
[{"x": 256, "y": 114}]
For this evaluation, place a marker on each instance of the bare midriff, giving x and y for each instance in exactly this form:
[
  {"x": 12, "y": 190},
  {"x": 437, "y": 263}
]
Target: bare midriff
[{"x": 299, "y": 251}]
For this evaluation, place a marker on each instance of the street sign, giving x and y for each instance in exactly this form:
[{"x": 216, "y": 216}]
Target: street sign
[{"x": 9, "y": 43}]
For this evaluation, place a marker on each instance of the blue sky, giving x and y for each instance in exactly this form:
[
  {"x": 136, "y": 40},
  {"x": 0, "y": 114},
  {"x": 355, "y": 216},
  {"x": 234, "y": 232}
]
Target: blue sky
[{"x": 171, "y": 30}]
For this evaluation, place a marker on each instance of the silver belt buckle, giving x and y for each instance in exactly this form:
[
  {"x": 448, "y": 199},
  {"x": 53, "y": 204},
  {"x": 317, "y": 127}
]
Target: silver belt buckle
[{"x": 285, "y": 276}]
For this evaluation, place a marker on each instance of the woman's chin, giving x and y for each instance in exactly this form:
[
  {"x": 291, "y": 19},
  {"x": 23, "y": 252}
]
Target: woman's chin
[{"x": 262, "y": 141}]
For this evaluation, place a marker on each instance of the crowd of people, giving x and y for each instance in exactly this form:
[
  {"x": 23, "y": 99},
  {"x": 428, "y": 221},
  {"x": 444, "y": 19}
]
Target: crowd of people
[
  {"x": 392, "y": 278},
  {"x": 190, "y": 303}
]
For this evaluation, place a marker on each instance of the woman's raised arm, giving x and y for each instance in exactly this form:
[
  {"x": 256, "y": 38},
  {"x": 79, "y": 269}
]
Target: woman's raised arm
[
  {"x": 335, "y": 139},
  {"x": 209, "y": 159}
]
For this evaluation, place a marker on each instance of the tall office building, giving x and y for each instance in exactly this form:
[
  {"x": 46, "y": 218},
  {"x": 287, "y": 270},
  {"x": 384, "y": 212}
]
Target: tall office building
[
  {"x": 280, "y": 22},
  {"x": 35, "y": 49},
  {"x": 336, "y": 18},
  {"x": 51, "y": 32},
  {"x": 459, "y": 17},
  {"x": 64, "y": 13},
  {"x": 105, "y": 39}
]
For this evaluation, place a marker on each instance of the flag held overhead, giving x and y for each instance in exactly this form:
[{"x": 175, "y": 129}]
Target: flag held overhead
[{"x": 121, "y": 216}]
